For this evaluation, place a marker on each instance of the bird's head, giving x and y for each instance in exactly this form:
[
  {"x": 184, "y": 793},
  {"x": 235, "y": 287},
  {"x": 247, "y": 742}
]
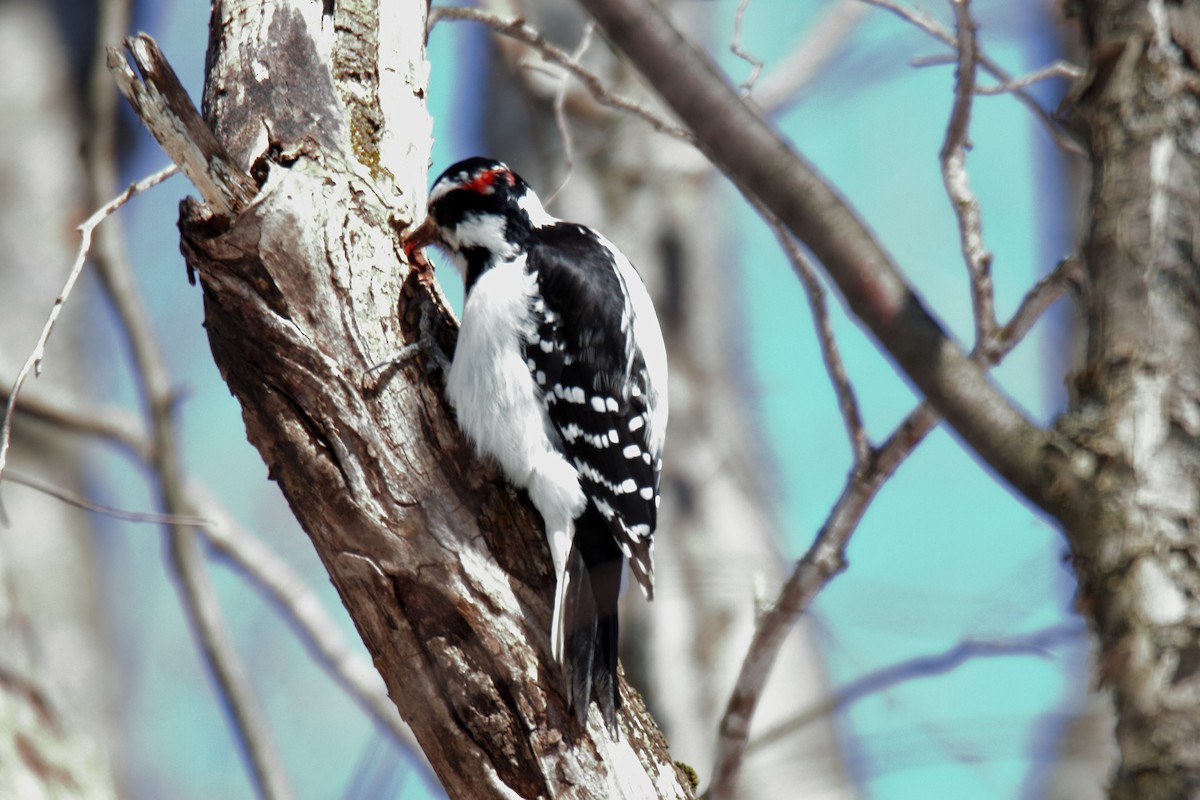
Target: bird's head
[{"x": 480, "y": 212}]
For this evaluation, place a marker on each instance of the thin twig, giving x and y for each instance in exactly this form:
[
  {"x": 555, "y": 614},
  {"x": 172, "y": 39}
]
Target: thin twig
[
  {"x": 953, "y": 159},
  {"x": 560, "y": 110},
  {"x": 190, "y": 142},
  {"x": 1038, "y": 643},
  {"x": 114, "y": 425},
  {"x": 935, "y": 29},
  {"x": 516, "y": 28},
  {"x": 934, "y": 60},
  {"x": 304, "y": 612},
  {"x": 34, "y": 362},
  {"x": 964, "y": 84},
  {"x": 79, "y": 501},
  {"x": 830, "y": 354},
  {"x": 735, "y": 47},
  {"x": 259, "y": 565},
  {"x": 1037, "y": 300},
  {"x": 1059, "y": 69}
]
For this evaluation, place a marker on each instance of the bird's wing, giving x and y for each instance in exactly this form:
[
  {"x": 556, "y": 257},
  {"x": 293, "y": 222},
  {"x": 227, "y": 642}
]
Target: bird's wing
[{"x": 585, "y": 361}]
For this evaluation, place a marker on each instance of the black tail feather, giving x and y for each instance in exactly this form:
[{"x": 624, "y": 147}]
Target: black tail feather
[
  {"x": 579, "y": 619},
  {"x": 590, "y": 616}
]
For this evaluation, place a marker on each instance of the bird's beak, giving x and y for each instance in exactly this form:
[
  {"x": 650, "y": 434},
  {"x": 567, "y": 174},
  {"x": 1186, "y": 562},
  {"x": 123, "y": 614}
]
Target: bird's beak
[{"x": 414, "y": 241}]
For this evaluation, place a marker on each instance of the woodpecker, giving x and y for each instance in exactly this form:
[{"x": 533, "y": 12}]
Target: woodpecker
[{"x": 560, "y": 376}]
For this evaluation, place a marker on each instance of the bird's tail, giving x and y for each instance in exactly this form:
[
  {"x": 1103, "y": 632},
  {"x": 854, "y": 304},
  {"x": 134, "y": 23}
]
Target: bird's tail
[{"x": 585, "y": 617}]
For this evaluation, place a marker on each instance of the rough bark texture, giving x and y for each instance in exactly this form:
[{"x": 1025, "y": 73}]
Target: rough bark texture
[
  {"x": 442, "y": 566},
  {"x": 1137, "y": 399}
]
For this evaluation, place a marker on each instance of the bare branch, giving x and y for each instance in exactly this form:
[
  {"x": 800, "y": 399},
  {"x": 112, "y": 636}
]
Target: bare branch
[
  {"x": 304, "y": 612},
  {"x": 735, "y": 47},
  {"x": 204, "y": 613},
  {"x": 826, "y": 557},
  {"x": 516, "y": 28},
  {"x": 258, "y": 564},
  {"x": 824, "y": 560},
  {"x": 113, "y": 425},
  {"x": 79, "y": 501},
  {"x": 172, "y": 118},
  {"x": 953, "y": 158},
  {"x": 560, "y": 110},
  {"x": 185, "y": 557},
  {"x": 931, "y": 26},
  {"x": 1037, "y": 644},
  {"x": 1044, "y": 294},
  {"x": 34, "y": 362},
  {"x": 763, "y": 165},
  {"x": 175, "y": 122},
  {"x": 1059, "y": 69},
  {"x": 836, "y": 369}
]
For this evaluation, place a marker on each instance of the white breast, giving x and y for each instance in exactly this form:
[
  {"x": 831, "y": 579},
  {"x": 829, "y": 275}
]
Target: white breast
[{"x": 500, "y": 408}]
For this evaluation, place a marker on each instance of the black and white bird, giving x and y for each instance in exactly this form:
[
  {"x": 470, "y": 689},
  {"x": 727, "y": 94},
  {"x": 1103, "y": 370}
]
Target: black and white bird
[{"x": 560, "y": 376}]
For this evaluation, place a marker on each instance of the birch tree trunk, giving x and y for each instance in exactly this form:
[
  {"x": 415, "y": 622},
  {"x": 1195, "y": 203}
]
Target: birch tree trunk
[
  {"x": 441, "y": 565},
  {"x": 1136, "y": 403}
]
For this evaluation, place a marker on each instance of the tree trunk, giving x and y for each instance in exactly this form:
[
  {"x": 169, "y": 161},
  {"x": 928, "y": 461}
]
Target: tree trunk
[
  {"x": 441, "y": 565},
  {"x": 56, "y": 726},
  {"x": 1137, "y": 398}
]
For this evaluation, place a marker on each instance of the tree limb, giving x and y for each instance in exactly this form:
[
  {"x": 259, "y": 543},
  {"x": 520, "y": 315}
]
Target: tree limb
[
  {"x": 204, "y": 162},
  {"x": 924, "y": 666},
  {"x": 953, "y": 157},
  {"x": 764, "y": 166},
  {"x": 33, "y": 363},
  {"x": 826, "y": 557}
]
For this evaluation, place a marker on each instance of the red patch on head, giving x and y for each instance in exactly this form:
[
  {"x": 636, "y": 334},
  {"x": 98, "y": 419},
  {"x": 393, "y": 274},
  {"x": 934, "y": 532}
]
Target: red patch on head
[{"x": 484, "y": 182}]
